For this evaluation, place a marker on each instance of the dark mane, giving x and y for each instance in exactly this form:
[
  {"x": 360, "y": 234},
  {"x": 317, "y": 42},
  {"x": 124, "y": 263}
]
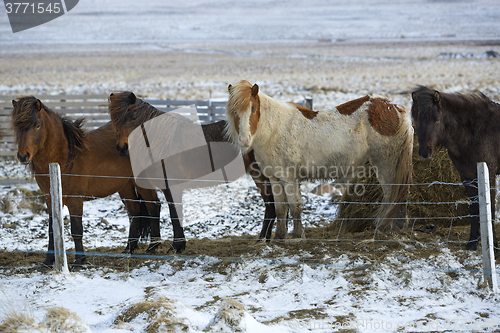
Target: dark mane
[
  {"x": 462, "y": 104},
  {"x": 75, "y": 135},
  {"x": 24, "y": 117},
  {"x": 468, "y": 127},
  {"x": 125, "y": 108}
]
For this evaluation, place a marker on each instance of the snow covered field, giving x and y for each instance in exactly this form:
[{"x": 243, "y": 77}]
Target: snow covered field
[{"x": 331, "y": 51}]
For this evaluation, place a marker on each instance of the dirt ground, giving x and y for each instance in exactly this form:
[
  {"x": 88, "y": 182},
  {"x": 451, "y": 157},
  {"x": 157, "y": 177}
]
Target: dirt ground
[{"x": 320, "y": 243}]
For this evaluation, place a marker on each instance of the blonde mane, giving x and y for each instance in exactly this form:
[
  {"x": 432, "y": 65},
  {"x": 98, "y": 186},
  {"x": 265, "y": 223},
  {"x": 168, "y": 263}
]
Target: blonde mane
[
  {"x": 239, "y": 96},
  {"x": 239, "y": 99}
]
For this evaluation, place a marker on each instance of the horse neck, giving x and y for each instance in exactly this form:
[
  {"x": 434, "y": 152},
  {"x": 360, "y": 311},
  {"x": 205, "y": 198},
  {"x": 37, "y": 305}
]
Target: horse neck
[
  {"x": 455, "y": 121},
  {"x": 272, "y": 113},
  {"x": 54, "y": 149}
]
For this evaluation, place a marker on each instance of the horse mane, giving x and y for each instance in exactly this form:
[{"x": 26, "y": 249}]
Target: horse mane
[
  {"x": 75, "y": 135},
  {"x": 24, "y": 117},
  {"x": 123, "y": 104},
  {"x": 466, "y": 104},
  {"x": 239, "y": 96}
]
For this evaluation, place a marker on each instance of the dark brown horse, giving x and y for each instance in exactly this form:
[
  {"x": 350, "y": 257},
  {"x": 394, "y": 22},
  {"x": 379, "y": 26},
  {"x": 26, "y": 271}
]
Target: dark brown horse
[
  {"x": 128, "y": 112},
  {"x": 468, "y": 126},
  {"x": 45, "y": 137}
]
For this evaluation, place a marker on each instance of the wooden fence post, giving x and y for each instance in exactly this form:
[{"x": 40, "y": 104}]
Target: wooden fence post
[
  {"x": 61, "y": 263},
  {"x": 486, "y": 226}
]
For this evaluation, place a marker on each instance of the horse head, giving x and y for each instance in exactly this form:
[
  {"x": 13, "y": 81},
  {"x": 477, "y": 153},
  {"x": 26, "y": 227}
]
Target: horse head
[
  {"x": 243, "y": 113},
  {"x": 123, "y": 117},
  {"x": 29, "y": 122},
  {"x": 427, "y": 114}
]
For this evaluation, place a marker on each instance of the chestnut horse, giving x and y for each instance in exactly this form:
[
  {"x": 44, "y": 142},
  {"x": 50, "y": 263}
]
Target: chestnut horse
[
  {"x": 293, "y": 144},
  {"x": 128, "y": 112},
  {"x": 468, "y": 126},
  {"x": 90, "y": 167}
]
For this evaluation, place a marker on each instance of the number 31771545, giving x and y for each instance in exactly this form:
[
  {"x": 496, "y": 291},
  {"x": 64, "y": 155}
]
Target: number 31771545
[{"x": 31, "y": 8}]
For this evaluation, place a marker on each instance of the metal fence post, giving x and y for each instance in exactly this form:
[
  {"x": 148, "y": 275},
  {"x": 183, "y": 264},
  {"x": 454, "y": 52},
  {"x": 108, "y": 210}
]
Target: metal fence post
[
  {"x": 309, "y": 102},
  {"x": 61, "y": 262},
  {"x": 486, "y": 226}
]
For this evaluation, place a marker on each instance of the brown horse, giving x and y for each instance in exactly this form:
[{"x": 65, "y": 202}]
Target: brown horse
[
  {"x": 90, "y": 167},
  {"x": 128, "y": 112}
]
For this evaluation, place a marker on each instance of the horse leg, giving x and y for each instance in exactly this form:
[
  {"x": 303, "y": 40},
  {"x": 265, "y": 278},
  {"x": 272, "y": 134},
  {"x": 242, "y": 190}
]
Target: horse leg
[
  {"x": 281, "y": 208},
  {"x": 154, "y": 208},
  {"x": 130, "y": 200},
  {"x": 50, "y": 257},
  {"x": 472, "y": 193},
  {"x": 179, "y": 243},
  {"x": 75, "y": 207},
  {"x": 294, "y": 199},
  {"x": 265, "y": 189},
  {"x": 493, "y": 196}
]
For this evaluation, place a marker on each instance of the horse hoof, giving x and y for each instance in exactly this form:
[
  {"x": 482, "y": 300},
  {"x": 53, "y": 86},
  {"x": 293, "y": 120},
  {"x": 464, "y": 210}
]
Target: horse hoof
[
  {"x": 44, "y": 268},
  {"x": 261, "y": 241},
  {"x": 153, "y": 247},
  {"x": 78, "y": 265},
  {"x": 130, "y": 249},
  {"x": 471, "y": 246},
  {"x": 279, "y": 239},
  {"x": 178, "y": 246}
]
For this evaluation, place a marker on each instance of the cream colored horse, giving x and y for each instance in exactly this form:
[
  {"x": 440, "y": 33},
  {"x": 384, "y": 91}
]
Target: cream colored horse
[{"x": 293, "y": 144}]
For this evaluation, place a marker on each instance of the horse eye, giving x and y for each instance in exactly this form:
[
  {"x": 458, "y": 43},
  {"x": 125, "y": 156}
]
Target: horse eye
[{"x": 38, "y": 126}]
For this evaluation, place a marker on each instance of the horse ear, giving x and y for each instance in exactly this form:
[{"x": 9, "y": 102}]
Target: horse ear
[
  {"x": 14, "y": 103},
  {"x": 229, "y": 88},
  {"x": 255, "y": 90},
  {"x": 38, "y": 105},
  {"x": 112, "y": 94},
  {"x": 132, "y": 98},
  {"x": 437, "y": 97},
  {"x": 413, "y": 96}
]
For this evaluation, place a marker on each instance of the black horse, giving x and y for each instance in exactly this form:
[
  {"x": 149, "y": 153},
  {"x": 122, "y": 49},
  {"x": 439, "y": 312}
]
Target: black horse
[
  {"x": 128, "y": 112},
  {"x": 468, "y": 126}
]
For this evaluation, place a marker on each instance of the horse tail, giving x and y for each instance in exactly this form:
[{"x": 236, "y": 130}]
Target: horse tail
[
  {"x": 395, "y": 213},
  {"x": 144, "y": 220}
]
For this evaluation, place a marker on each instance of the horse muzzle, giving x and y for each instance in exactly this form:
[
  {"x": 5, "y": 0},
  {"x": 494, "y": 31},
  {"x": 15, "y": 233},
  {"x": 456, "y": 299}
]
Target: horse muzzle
[
  {"x": 122, "y": 150},
  {"x": 24, "y": 159},
  {"x": 245, "y": 142},
  {"x": 425, "y": 153}
]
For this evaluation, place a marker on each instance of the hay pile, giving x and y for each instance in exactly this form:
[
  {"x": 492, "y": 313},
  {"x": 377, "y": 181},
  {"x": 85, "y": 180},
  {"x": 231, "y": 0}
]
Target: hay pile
[{"x": 439, "y": 169}]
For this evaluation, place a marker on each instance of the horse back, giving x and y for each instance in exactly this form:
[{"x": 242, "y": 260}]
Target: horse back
[{"x": 107, "y": 171}]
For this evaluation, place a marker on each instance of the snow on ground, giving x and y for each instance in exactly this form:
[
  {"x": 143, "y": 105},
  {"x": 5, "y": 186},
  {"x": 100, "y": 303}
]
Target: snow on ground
[
  {"x": 332, "y": 51},
  {"x": 281, "y": 292}
]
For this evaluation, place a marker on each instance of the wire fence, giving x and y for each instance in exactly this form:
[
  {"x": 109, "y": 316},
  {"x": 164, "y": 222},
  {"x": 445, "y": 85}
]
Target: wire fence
[{"x": 407, "y": 236}]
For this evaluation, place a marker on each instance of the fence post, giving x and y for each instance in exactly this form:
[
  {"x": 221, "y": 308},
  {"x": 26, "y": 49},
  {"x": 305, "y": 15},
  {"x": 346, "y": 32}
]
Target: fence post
[
  {"x": 210, "y": 112},
  {"x": 486, "y": 226},
  {"x": 309, "y": 102},
  {"x": 61, "y": 262}
]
